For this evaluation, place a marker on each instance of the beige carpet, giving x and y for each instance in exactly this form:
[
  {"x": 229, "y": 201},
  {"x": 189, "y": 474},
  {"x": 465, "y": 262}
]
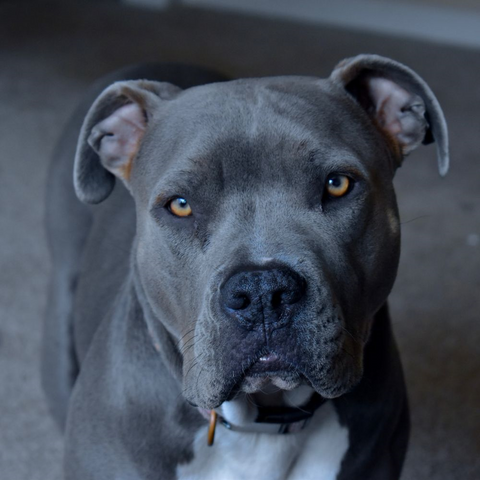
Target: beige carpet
[{"x": 49, "y": 54}]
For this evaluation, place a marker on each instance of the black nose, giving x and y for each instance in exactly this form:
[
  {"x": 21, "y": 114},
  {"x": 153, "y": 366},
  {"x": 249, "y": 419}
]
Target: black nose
[{"x": 267, "y": 296}]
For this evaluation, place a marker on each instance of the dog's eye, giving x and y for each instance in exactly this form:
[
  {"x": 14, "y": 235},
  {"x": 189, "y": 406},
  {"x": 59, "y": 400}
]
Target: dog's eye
[
  {"x": 179, "y": 207},
  {"x": 338, "y": 185}
]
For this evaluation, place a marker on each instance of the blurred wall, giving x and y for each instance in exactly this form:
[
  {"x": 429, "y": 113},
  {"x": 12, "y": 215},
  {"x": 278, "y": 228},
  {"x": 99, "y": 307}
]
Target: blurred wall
[{"x": 454, "y": 22}]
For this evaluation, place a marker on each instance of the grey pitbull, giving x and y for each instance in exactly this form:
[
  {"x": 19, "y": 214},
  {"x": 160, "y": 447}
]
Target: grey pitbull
[{"x": 237, "y": 275}]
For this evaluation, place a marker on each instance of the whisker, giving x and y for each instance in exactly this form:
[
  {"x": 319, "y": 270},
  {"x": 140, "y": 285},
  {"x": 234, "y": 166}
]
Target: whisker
[
  {"x": 299, "y": 408},
  {"x": 183, "y": 336},
  {"x": 350, "y": 334},
  {"x": 194, "y": 364},
  {"x": 348, "y": 353},
  {"x": 271, "y": 393},
  {"x": 250, "y": 400},
  {"x": 414, "y": 219},
  {"x": 187, "y": 347}
]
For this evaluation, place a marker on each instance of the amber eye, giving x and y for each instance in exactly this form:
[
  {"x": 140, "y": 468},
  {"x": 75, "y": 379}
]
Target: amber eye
[
  {"x": 179, "y": 207},
  {"x": 338, "y": 185}
]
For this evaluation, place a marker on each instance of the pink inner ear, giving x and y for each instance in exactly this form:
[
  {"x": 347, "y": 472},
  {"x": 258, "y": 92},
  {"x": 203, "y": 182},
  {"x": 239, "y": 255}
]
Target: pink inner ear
[
  {"x": 389, "y": 100},
  {"x": 117, "y": 139},
  {"x": 398, "y": 112}
]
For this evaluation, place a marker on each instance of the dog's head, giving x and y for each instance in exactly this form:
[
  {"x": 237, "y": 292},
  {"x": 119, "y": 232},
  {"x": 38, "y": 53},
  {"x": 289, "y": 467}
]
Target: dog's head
[{"x": 267, "y": 227}]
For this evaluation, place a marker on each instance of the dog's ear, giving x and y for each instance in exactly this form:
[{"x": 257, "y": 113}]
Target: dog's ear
[
  {"x": 399, "y": 102},
  {"x": 111, "y": 135}
]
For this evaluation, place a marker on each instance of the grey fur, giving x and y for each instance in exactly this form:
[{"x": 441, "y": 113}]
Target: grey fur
[{"x": 252, "y": 158}]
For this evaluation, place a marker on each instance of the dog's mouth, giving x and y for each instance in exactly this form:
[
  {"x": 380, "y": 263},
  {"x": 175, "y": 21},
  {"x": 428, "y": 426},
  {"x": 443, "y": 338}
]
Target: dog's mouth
[
  {"x": 270, "y": 371},
  {"x": 284, "y": 364},
  {"x": 269, "y": 363}
]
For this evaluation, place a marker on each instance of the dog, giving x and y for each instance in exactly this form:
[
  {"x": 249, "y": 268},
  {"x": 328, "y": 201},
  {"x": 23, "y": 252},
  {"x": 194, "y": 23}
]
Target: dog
[{"x": 222, "y": 313}]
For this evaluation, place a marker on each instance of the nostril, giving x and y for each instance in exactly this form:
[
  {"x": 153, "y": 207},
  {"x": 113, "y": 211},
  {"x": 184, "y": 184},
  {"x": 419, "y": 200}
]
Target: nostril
[
  {"x": 286, "y": 297},
  {"x": 238, "y": 302},
  {"x": 277, "y": 299}
]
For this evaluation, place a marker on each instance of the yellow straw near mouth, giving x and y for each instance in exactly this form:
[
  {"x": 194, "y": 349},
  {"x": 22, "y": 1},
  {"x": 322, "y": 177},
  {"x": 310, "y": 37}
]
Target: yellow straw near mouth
[{"x": 212, "y": 427}]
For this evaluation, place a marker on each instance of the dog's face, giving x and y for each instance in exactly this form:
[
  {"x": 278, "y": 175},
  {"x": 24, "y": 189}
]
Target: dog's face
[
  {"x": 267, "y": 226},
  {"x": 241, "y": 247}
]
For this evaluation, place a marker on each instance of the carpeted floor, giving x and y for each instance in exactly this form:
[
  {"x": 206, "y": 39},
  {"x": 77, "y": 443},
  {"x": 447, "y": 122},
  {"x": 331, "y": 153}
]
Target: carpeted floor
[{"x": 50, "y": 53}]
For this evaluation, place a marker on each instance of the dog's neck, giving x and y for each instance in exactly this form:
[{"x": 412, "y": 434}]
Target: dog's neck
[{"x": 162, "y": 340}]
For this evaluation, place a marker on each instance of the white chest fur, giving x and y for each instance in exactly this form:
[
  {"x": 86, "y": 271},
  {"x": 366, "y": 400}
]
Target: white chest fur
[{"x": 315, "y": 453}]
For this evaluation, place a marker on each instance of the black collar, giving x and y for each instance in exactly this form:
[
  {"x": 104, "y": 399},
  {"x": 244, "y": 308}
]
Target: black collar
[
  {"x": 271, "y": 420},
  {"x": 286, "y": 415}
]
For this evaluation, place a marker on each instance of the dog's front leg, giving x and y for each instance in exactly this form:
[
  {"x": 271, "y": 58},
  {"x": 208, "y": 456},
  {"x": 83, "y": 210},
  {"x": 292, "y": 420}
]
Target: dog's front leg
[{"x": 127, "y": 418}]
